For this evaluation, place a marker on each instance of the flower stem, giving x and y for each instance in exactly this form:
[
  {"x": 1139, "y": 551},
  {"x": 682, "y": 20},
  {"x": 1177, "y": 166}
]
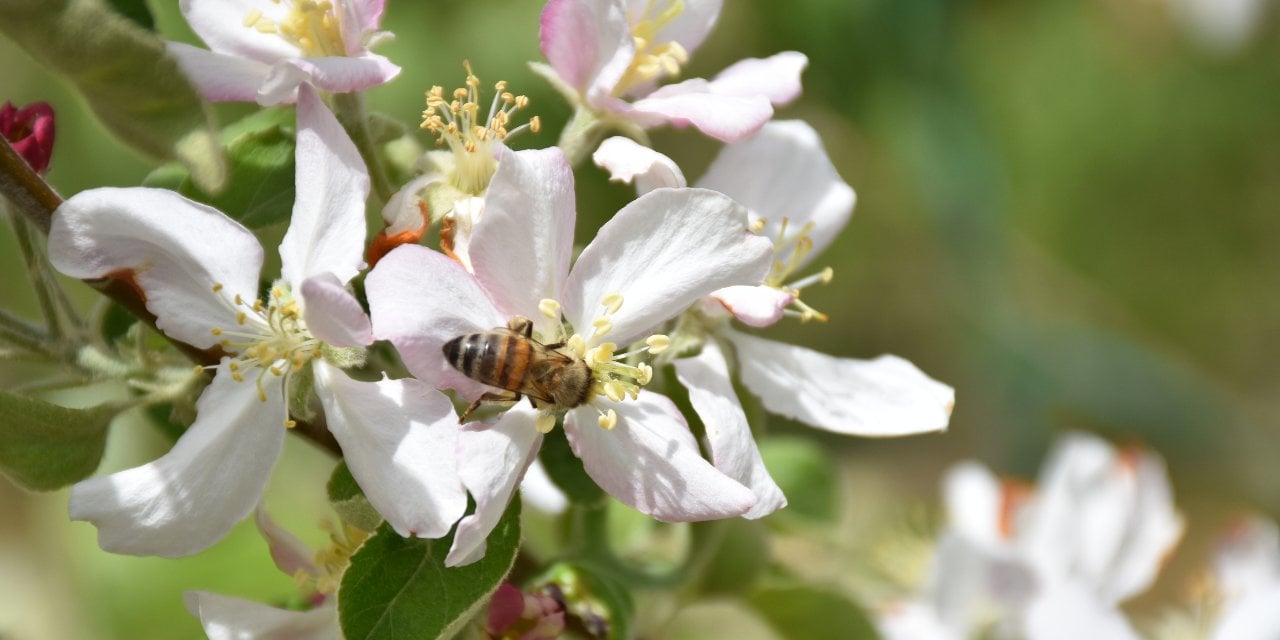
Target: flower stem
[
  {"x": 36, "y": 275},
  {"x": 349, "y": 107},
  {"x": 29, "y": 193},
  {"x": 19, "y": 332}
]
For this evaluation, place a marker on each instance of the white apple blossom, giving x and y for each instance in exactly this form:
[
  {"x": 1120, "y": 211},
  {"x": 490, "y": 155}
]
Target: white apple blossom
[
  {"x": 262, "y": 50},
  {"x": 794, "y": 195},
  {"x": 607, "y": 56},
  {"x": 1247, "y": 572},
  {"x": 644, "y": 267},
  {"x": 231, "y": 618},
  {"x": 1047, "y": 563},
  {"x": 198, "y": 271}
]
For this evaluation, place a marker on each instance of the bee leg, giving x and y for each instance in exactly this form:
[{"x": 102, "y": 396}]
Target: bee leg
[
  {"x": 521, "y": 325},
  {"x": 488, "y": 397}
]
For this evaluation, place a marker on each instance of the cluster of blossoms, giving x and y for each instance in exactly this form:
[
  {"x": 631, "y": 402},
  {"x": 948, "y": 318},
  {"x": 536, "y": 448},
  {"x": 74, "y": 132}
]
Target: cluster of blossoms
[
  {"x": 1057, "y": 559},
  {"x": 503, "y": 310}
]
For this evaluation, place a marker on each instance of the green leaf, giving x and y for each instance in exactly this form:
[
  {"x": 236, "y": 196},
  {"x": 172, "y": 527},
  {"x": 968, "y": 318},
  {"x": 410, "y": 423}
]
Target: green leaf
[
  {"x": 349, "y": 501},
  {"x": 137, "y": 11},
  {"x": 811, "y": 613},
  {"x": 261, "y": 186},
  {"x": 124, "y": 74},
  {"x": 806, "y": 474},
  {"x": 44, "y": 446},
  {"x": 399, "y": 589},
  {"x": 565, "y": 469}
]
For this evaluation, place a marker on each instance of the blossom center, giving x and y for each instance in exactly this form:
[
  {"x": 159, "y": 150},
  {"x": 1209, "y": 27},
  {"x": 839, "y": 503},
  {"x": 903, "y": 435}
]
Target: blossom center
[
  {"x": 653, "y": 60},
  {"x": 270, "y": 337},
  {"x": 789, "y": 254},
  {"x": 310, "y": 25},
  {"x": 472, "y": 136},
  {"x": 616, "y": 376}
]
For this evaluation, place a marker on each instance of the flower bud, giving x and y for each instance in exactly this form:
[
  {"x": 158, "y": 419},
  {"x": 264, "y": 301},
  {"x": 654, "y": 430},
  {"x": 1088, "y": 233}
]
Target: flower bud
[{"x": 30, "y": 131}]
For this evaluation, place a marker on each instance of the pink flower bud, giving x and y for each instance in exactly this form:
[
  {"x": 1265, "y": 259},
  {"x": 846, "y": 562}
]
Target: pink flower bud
[
  {"x": 524, "y": 616},
  {"x": 30, "y": 131}
]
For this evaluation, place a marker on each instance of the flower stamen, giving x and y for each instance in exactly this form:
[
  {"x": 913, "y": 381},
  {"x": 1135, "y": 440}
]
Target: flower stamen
[{"x": 799, "y": 245}]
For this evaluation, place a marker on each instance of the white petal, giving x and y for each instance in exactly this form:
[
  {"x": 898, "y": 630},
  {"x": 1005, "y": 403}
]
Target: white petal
[
  {"x": 419, "y": 300},
  {"x": 970, "y": 584},
  {"x": 783, "y": 171},
  {"x": 627, "y": 160},
  {"x": 175, "y": 249},
  {"x": 537, "y": 490},
  {"x": 587, "y": 42},
  {"x": 532, "y": 191},
  {"x": 776, "y": 77},
  {"x": 220, "y": 23},
  {"x": 288, "y": 552},
  {"x": 878, "y": 398},
  {"x": 1247, "y": 558},
  {"x": 337, "y": 74},
  {"x": 219, "y": 77},
  {"x": 327, "y": 230},
  {"x": 754, "y": 306},
  {"x": 689, "y": 28},
  {"x": 491, "y": 461},
  {"x": 358, "y": 18},
  {"x": 975, "y": 502},
  {"x": 1070, "y": 612},
  {"x": 1253, "y": 617},
  {"x": 729, "y": 441},
  {"x": 227, "y": 618},
  {"x": 662, "y": 252},
  {"x": 913, "y": 621},
  {"x": 398, "y": 437},
  {"x": 404, "y": 211},
  {"x": 333, "y": 314},
  {"x": 213, "y": 477},
  {"x": 694, "y": 103},
  {"x": 651, "y": 462}
]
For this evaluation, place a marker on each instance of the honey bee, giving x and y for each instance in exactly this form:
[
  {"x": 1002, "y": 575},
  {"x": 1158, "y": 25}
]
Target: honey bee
[{"x": 509, "y": 358}]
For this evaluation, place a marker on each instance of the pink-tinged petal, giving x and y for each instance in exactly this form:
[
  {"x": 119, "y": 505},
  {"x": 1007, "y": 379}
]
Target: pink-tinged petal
[
  {"x": 327, "y": 230},
  {"x": 337, "y": 74},
  {"x": 651, "y": 462},
  {"x": 880, "y": 398},
  {"x": 754, "y": 306},
  {"x": 491, "y": 461},
  {"x": 398, "y": 437},
  {"x": 1069, "y": 611},
  {"x": 776, "y": 77},
  {"x": 406, "y": 210},
  {"x": 694, "y": 103},
  {"x": 173, "y": 249},
  {"x": 219, "y": 77},
  {"x": 662, "y": 252},
  {"x": 220, "y": 23},
  {"x": 289, "y": 553},
  {"x": 213, "y": 477},
  {"x": 333, "y": 314},
  {"x": 538, "y": 491},
  {"x": 227, "y": 618},
  {"x": 419, "y": 300},
  {"x": 358, "y": 19},
  {"x": 629, "y": 161},
  {"x": 784, "y": 172},
  {"x": 1252, "y": 617},
  {"x": 587, "y": 42},
  {"x": 533, "y": 191},
  {"x": 1247, "y": 558},
  {"x": 689, "y": 28},
  {"x": 971, "y": 584},
  {"x": 729, "y": 441}
]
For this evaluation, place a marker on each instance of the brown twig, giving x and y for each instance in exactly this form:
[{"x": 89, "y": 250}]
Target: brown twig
[{"x": 33, "y": 198}]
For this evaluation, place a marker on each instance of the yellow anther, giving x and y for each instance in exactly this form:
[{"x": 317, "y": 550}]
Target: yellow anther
[
  {"x": 289, "y": 424},
  {"x": 608, "y": 420},
  {"x": 233, "y": 365},
  {"x": 277, "y": 292},
  {"x": 758, "y": 225},
  {"x": 549, "y": 308},
  {"x": 535, "y": 124},
  {"x": 240, "y": 318},
  {"x": 828, "y": 274},
  {"x": 603, "y": 326},
  {"x": 262, "y": 395},
  {"x": 199, "y": 369},
  {"x": 614, "y": 391},
  {"x": 604, "y": 352},
  {"x": 216, "y": 331},
  {"x": 657, "y": 343},
  {"x": 237, "y": 376},
  {"x": 646, "y": 374},
  {"x": 217, "y": 286},
  {"x": 545, "y": 422},
  {"x": 578, "y": 345},
  {"x": 612, "y": 302}
]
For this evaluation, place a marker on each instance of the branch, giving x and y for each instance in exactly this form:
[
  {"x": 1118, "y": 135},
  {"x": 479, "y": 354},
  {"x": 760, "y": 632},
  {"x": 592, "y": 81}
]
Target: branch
[{"x": 34, "y": 199}]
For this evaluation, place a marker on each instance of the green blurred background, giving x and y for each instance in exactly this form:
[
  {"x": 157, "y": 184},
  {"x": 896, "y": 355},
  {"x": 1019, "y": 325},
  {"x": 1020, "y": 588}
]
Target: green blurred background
[{"x": 1067, "y": 210}]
